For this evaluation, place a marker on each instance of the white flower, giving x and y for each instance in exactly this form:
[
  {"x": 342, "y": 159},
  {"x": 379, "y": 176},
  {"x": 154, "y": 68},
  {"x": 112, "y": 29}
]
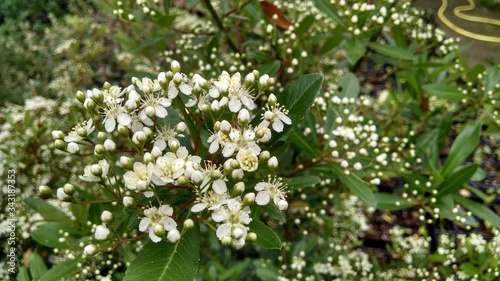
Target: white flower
[
  {"x": 101, "y": 232},
  {"x": 140, "y": 176},
  {"x": 137, "y": 124},
  {"x": 148, "y": 86},
  {"x": 113, "y": 95},
  {"x": 156, "y": 105},
  {"x": 73, "y": 148},
  {"x": 165, "y": 136},
  {"x": 270, "y": 189},
  {"x": 237, "y": 93},
  {"x": 239, "y": 140},
  {"x": 210, "y": 201},
  {"x": 62, "y": 195},
  {"x": 248, "y": 159},
  {"x": 115, "y": 112},
  {"x": 157, "y": 216},
  {"x": 276, "y": 117},
  {"x": 73, "y": 136},
  {"x": 173, "y": 235},
  {"x": 89, "y": 177},
  {"x": 234, "y": 217}
]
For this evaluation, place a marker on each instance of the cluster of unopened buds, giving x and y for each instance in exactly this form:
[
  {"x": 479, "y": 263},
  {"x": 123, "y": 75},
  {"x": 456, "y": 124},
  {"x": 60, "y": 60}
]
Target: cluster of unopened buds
[{"x": 134, "y": 116}]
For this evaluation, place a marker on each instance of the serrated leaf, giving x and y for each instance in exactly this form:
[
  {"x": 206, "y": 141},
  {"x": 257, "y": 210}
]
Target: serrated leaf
[
  {"x": 391, "y": 51},
  {"x": 166, "y": 261},
  {"x": 329, "y": 10},
  {"x": 479, "y": 210},
  {"x": 443, "y": 91},
  {"x": 37, "y": 266},
  {"x": 356, "y": 185},
  {"x": 297, "y": 97},
  {"x": 48, "y": 211},
  {"x": 392, "y": 202},
  {"x": 462, "y": 147},
  {"x": 456, "y": 180},
  {"x": 61, "y": 270},
  {"x": 266, "y": 237}
]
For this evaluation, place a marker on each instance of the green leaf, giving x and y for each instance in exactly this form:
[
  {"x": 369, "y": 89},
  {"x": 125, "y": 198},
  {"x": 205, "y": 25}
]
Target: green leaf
[
  {"x": 456, "y": 180},
  {"x": 61, "y": 270},
  {"x": 297, "y": 97},
  {"x": 298, "y": 138},
  {"x": 479, "y": 210},
  {"x": 443, "y": 91},
  {"x": 270, "y": 68},
  {"x": 23, "y": 275},
  {"x": 301, "y": 182},
  {"x": 392, "y": 202},
  {"x": 304, "y": 25},
  {"x": 349, "y": 85},
  {"x": 235, "y": 271},
  {"x": 166, "y": 20},
  {"x": 37, "y": 266},
  {"x": 444, "y": 129},
  {"x": 392, "y": 51},
  {"x": 399, "y": 36},
  {"x": 355, "y": 48},
  {"x": 356, "y": 185},
  {"x": 48, "y": 211},
  {"x": 48, "y": 234},
  {"x": 167, "y": 261},
  {"x": 266, "y": 237},
  {"x": 463, "y": 145},
  {"x": 150, "y": 42},
  {"x": 329, "y": 10}
]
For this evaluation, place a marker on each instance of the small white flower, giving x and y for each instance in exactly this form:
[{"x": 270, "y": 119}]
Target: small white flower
[
  {"x": 73, "y": 136},
  {"x": 270, "y": 189},
  {"x": 141, "y": 175},
  {"x": 275, "y": 117},
  {"x": 89, "y": 177},
  {"x": 73, "y": 148},
  {"x": 248, "y": 159},
  {"x": 234, "y": 217},
  {"x": 210, "y": 201},
  {"x": 155, "y": 216},
  {"x": 113, "y": 113}
]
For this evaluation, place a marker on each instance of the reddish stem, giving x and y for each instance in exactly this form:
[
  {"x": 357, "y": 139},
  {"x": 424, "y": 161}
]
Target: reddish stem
[{"x": 125, "y": 150}]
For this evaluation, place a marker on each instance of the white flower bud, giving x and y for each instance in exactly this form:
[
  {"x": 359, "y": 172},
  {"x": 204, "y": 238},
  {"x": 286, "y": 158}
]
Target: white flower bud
[
  {"x": 139, "y": 137},
  {"x": 177, "y": 78},
  {"x": 268, "y": 115},
  {"x": 173, "y": 235},
  {"x": 188, "y": 224},
  {"x": 225, "y": 127},
  {"x": 126, "y": 162},
  {"x": 123, "y": 131},
  {"x": 358, "y": 166},
  {"x": 148, "y": 158},
  {"x": 130, "y": 105},
  {"x": 249, "y": 79},
  {"x": 45, "y": 191},
  {"x": 263, "y": 80},
  {"x": 238, "y": 244},
  {"x": 110, "y": 145},
  {"x": 215, "y": 106},
  {"x": 175, "y": 66},
  {"x": 181, "y": 127},
  {"x": 159, "y": 230},
  {"x": 90, "y": 250},
  {"x": 101, "y": 232},
  {"x": 62, "y": 195},
  {"x": 58, "y": 135},
  {"x": 272, "y": 100},
  {"x": 238, "y": 233},
  {"x": 272, "y": 163},
  {"x": 73, "y": 148},
  {"x": 150, "y": 111},
  {"x": 96, "y": 170},
  {"x": 106, "y": 216},
  {"x": 249, "y": 199},
  {"x": 182, "y": 180},
  {"x": 129, "y": 202},
  {"x": 243, "y": 117},
  {"x": 59, "y": 144},
  {"x": 69, "y": 189},
  {"x": 156, "y": 152},
  {"x": 197, "y": 177},
  {"x": 238, "y": 174},
  {"x": 226, "y": 240},
  {"x": 282, "y": 205},
  {"x": 162, "y": 79}
]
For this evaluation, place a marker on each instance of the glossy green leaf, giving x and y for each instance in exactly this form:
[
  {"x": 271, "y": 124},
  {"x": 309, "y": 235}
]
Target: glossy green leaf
[
  {"x": 443, "y": 91},
  {"x": 349, "y": 86},
  {"x": 462, "y": 147},
  {"x": 355, "y": 48},
  {"x": 329, "y": 10},
  {"x": 166, "y": 20},
  {"x": 266, "y": 237},
  {"x": 270, "y": 68},
  {"x": 444, "y": 129},
  {"x": 37, "y": 266},
  {"x": 392, "y": 202},
  {"x": 298, "y": 138},
  {"x": 150, "y": 42},
  {"x": 166, "y": 261},
  {"x": 456, "y": 180},
  {"x": 48, "y": 211},
  {"x": 61, "y": 270},
  {"x": 48, "y": 234},
  {"x": 479, "y": 210},
  {"x": 356, "y": 185},
  {"x": 23, "y": 275},
  {"x": 301, "y": 182},
  {"x": 391, "y": 51}
]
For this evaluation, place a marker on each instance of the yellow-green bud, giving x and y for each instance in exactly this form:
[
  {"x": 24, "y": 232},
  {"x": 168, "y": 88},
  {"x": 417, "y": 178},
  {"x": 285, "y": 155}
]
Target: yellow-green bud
[
  {"x": 182, "y": 180},
  {"x": 126, "y": 163},
  {"x": 69, "y": 189},
  {"x": 106, "y": 85},
  {"x": 264, "y": 156},
  {"x": 215, "y": 175},
  {"x": 99, "y": 149},
  {"x": 129, "y": 202},
  {"x": 80, "y": 96},
  {"x": 251, "y": 237},
  {"x": 188, "y": 224},
  {"x": 122, "y": 130},
  {"x": 226, "y": 240},
  {"x": 82, "y": 132},
  {"x": 96, "y": 170},
  {"x": 91, "y": 105},
  {"x": 205, "y": 108},
  {"x": 45, "y": 191},
  {"x": 159, "y": 230},
  {"x": 101, "y": 136},
  {"x": 235, "y": 164},
  {"x": 99, "y": 156},
  {"x": 59, "y": 144}
]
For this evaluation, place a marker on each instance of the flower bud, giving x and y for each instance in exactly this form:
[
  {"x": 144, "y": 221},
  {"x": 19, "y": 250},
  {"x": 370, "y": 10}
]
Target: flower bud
[
  {"x": 197, "y": 177},
  {"x": 215, "y": 175},
  {"x": 129, "y": 202},
  {"x": 59, "y": 144},
  {"x": 177, "y": 79},
  {"x": 106, "y": 85},
  {"x": 238, "y": 233},
  {"x": 159, "y": 230},
  {"x": 62, "y": 195},
  {"x": 82, "y": 132},
  {"x": 264, "y": 156},
  {"x": 225, "y": 127},
  {"x": 282, "y": 205},
  {"x": 90, "y": 250},
  {"x": 169, "y": 75},
  {"x": 238, "y": 174},
  {"x": 162, "y": 79},
  {"x": 215, "y": 107},
  {"x": 150, "y": 111},
  {"x": 45, "y": 191},
  {"x": 173, "y": 146},
  {"x": 175, "y": 66},
  {"x": 123, "y": 131},
  {"x": 99, "y": 149},
  {"x": 126, "y": 163},
  {"x": 101, "y": 136},
  {"x": 263, "y": 81},
  {"x": 205, "y": 108},
  {"x": 217, "y": 126},
  {"x": 188, "y": 224},
  {"x": 101, "y": 232},
  {"x": 96, "y": 170},
  {"x": 260, "y": 133},
  {"x": 58, "y": 135},
  {"x": 80, "y": 96},
  {"x": 268, "y": 115},
  {"x": 243, "y": 117},
  {"x": 173, "y": 235},
  {"x": 148, "y": 132},
  {"x": 249, "y": 79},
  {"x": 249, "y": 199},
  {"x": 182, "y": 180},
  {"x": 69, "y": 189},
  {"x": 99, "y": 156},
  {"x": 90, "y": 104},
  {"x": 109, "y": 145},
  {"x": 134, "y": 80},
  {"x": 270, "y": 82},
  {"x": 272, "y": 100},
  {"x": 106, "y": 216},
  {"x": 235, "y": 164},
  {"x": 226, "y": 240},
  {"x": 238, "y": 243},
  {"x": 238, "y": 189},
  {"x": 130, "y": 105},
  {"x": 139, "y": 137},
  {"x": 272, "y": 163},
  {"x": 256, "y": 74},
  {"x": 97, "y": 96},
  {"x": 181, "y": 127},
  {"x": 251, "y": 237},
  {"x": 148, "y": 158},
  {"x": 142, "y": 185},
  {"x": 156, "y": 151},
  {"x": 73, "y": 148}
]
